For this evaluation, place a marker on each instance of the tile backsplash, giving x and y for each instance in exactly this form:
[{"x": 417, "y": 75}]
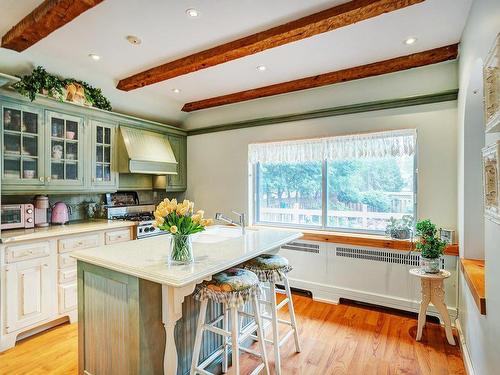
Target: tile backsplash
[{"x": 79, "y": 203}]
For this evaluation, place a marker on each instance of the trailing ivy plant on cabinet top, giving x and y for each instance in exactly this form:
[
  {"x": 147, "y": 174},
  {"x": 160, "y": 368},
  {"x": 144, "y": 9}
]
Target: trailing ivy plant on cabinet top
[
  {"x": 491, "y": 77},
  {"x": 49, "y": 146}
]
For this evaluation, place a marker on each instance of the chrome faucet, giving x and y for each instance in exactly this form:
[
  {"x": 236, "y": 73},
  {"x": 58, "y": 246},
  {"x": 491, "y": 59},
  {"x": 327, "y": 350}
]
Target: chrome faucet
[{"x": 241, "y": 223}]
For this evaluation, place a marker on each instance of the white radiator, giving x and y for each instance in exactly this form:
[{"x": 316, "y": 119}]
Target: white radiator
[{"x": 371, "y": 275}]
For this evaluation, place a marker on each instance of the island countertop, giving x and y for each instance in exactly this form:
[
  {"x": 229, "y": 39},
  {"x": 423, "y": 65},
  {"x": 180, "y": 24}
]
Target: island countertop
[{"x": 216, "y": 249}]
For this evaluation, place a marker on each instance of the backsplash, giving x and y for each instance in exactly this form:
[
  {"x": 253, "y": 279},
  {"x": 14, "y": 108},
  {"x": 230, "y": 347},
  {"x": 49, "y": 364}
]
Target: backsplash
[{"x": 79, "y": 203}]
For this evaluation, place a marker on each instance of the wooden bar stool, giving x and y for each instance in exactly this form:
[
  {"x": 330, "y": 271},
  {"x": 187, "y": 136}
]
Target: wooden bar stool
[
  {"x": 273, "y": 269},
  {"x": 233, "y": 288}
]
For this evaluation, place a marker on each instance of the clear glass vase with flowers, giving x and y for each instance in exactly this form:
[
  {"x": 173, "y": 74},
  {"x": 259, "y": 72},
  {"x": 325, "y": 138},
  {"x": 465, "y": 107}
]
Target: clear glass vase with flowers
[{"x": 180, "y": 220}]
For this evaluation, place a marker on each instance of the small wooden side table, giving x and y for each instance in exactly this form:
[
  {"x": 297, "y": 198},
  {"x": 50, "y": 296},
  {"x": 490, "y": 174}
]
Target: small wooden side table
[{"x": 433, "y": 292}]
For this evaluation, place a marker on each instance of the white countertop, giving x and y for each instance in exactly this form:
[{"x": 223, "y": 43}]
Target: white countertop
[
  {"x": 216, "y": 249},
  {"x": 15, "y": 235}
]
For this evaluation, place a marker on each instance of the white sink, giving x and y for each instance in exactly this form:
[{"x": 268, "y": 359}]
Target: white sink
[{"x": 217, "y": 234}]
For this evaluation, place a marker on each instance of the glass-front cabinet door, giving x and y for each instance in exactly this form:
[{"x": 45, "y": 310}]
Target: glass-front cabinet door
[
  {"x": 103, "y": 154},
  {"x": 22, "y": 145},
  {"x": 65, "y": 142}
]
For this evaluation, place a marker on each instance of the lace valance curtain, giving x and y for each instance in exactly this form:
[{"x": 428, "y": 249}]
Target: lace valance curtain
[{"x": 367, "y": 145}]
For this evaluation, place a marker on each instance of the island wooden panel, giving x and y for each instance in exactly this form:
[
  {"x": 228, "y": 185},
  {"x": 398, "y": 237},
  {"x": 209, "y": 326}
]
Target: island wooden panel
[
  {"x": 305, "y": 27},
  {"x": 414, "y": 60},
  {"x": 473, "y": 271},
  {"x": 46, "y": 18}
]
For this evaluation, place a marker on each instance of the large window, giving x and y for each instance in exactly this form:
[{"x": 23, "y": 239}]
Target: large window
[{"x": 353, "y": 184}]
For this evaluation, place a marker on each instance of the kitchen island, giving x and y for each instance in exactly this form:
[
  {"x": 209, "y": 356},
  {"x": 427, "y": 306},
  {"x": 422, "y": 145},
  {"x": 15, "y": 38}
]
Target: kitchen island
[{"x": 137, "y": 314}]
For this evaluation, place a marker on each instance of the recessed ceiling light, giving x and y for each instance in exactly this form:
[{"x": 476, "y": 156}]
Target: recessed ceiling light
[
  {"x": 176, "y": 90},
  {"x": 410, "y": 41},
  {"x": 261, "y": 68},
  {"x": 132, "y": 39},
  {"x": 191, "y": 12},
  {"x": 94, "y": 57}
]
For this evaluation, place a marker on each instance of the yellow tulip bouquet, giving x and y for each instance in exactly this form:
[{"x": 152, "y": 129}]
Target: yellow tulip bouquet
[{"x": 181, "y": 222}]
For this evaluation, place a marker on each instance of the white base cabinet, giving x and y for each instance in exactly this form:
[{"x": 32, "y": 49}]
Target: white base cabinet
[
  {"x": 29, "y": 296},
  {"x": 38, "y": 281}
]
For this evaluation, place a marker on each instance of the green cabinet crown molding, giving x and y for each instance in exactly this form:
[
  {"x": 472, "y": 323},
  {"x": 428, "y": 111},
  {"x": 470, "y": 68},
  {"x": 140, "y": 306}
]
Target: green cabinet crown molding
[{"x": 438, "y": 97}]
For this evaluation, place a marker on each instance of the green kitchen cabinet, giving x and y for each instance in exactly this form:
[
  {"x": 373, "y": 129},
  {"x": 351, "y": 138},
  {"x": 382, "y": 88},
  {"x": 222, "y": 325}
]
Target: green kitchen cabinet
[
  {"x": 178, "y": 182},
  {"x": 64, "y": 146},
  {"x": 51, "y": 146},
  {"x": 22, "y": 146},
  {"x": 104, "y": 175}
]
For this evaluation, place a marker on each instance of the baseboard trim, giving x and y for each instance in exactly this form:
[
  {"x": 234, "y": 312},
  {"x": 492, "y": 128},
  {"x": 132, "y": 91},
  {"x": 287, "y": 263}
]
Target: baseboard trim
[
  {"x": 331, "y": 294},
  {"x": 469, "y": 368}
]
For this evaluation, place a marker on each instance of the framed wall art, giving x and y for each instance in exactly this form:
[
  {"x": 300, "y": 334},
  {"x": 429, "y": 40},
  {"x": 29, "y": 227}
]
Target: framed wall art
[
  {"x": 491, "y": 83},
  {"x": 491, "y": 182}
]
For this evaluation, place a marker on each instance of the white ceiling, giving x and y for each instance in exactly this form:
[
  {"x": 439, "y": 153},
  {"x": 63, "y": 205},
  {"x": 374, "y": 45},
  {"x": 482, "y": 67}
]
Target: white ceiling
[{"x": 167, "y": 34}]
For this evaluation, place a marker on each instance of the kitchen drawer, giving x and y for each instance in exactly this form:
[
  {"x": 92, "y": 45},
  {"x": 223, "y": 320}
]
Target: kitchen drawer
[
  {"x": 18, "y": 253},
  {"x": 68, "y": 297},
  {"x": 78, "y": 243},
  {"x": 67, "y": 275},
  {"x": 117, "y": 236},
  {"x": 66, "y": 260}
]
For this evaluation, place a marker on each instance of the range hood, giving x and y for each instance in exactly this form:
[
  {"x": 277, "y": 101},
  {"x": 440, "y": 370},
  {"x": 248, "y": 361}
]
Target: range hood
[{"x": 144, "y": 152}]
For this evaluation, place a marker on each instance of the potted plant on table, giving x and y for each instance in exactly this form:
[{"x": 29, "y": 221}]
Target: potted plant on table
[
  {"x": 181, "y": 222},
  {"x": 431, "y": 247},
  {"x": 400, "y": 229}
]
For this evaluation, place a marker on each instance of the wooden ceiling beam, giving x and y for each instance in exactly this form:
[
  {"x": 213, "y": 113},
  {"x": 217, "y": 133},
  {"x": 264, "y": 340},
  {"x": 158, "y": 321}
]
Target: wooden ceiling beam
[
  {"x": 45, "y": 19},
  {"x": 382, "y": 67},
  {"x": 317, "y": 23}
]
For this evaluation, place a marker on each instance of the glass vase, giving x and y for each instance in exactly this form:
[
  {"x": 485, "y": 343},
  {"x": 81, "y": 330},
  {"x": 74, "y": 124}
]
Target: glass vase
[
  {"x": 181, "y": 249},
  {"x": 430, "y": 265}
]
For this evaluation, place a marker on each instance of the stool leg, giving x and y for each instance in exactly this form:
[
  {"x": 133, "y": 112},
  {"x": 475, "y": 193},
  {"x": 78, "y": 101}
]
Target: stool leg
[
  {"x": 260, "y": 332},
  {"x": 235, "y": 341},
  {"x": 199, "y": 336},
  {"x": 437, "y": 299},
  {"x": 225, "y": 327},
  {"x": 291, "y": 310},
  {"x": 426, "y": 298},
  {"x": 274, "y": 321}
]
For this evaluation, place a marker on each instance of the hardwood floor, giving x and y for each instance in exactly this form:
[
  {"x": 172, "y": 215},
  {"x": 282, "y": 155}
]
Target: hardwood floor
[{"x": 336, "y": 339}]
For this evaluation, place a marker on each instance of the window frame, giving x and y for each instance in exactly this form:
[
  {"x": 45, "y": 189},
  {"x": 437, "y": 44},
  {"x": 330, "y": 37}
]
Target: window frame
[{"x": 254, "y": 199}]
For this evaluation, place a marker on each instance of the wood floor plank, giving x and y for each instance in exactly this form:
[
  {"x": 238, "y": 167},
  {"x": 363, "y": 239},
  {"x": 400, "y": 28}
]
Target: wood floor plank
[{"x": 336, "y": 339}]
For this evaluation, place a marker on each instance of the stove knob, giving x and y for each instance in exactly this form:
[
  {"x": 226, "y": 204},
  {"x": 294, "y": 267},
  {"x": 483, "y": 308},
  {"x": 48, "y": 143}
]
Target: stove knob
[
  {"x": 146, "y": 230},
  {"x": 29, "y": 211},
  {"x": 151, "y": 229},
  {"x": 140, "y": 230}
]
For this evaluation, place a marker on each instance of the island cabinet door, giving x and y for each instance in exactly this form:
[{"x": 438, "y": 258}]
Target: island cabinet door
[{"x": 29, "y": 293}]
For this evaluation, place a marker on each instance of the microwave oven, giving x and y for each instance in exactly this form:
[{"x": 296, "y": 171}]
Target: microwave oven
[{"x": 17, "y": 216}]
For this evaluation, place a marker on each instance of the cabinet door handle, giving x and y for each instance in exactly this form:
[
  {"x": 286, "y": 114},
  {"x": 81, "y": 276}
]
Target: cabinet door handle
[
  {"x": 45, "y": 265},
  {"x": 48, "y": 178},
  {"x": 41, "y": 179}
]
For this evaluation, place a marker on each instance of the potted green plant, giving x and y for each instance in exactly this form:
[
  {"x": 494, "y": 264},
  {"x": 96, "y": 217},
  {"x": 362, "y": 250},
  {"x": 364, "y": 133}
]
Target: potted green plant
[
  {"x": 40, "y": 82},
  {"x": 429, "y": 244},
  {"x": 400, "y": 229},
  {"x": 80, "y": 92}
]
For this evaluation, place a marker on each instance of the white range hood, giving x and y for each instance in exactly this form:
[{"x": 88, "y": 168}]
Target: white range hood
[{"x": 145, "y": 152}]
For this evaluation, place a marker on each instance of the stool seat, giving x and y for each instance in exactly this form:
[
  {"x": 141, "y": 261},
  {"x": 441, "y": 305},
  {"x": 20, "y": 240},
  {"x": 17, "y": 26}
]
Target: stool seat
[
  {"x": 268, "y": 267},
  {"x": 233, "y": 287}
]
